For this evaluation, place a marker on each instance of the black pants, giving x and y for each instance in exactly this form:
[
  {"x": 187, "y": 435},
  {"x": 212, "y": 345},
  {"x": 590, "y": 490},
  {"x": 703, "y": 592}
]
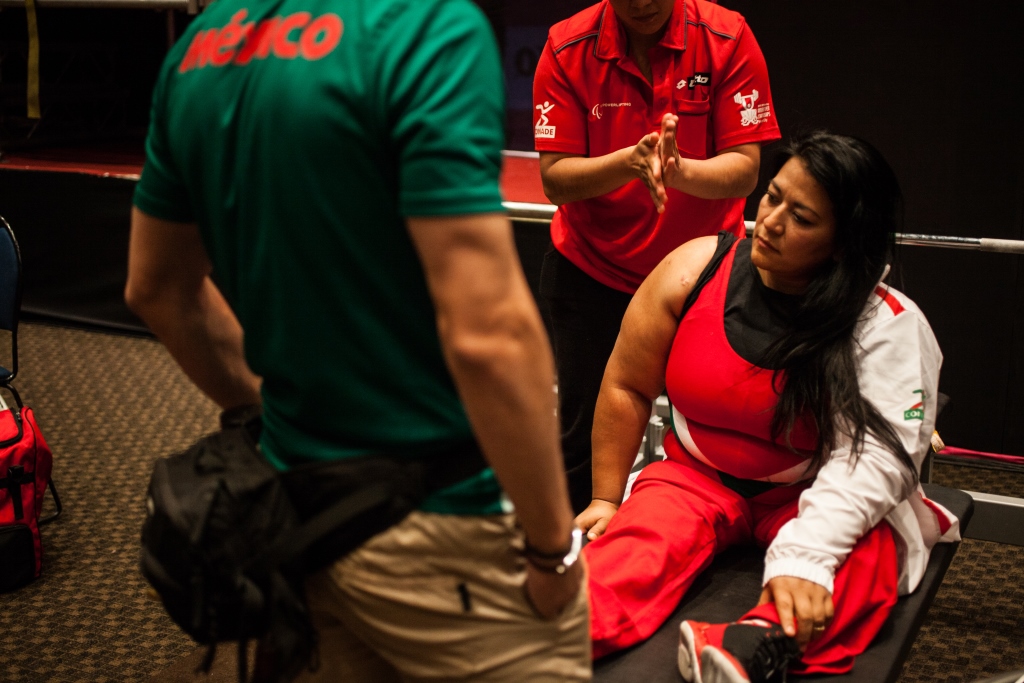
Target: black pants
[{"x": 585, "y": 317}]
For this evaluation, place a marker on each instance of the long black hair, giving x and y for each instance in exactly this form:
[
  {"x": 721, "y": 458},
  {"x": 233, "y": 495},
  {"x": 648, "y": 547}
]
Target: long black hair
[{"x": 816, "y": 372}]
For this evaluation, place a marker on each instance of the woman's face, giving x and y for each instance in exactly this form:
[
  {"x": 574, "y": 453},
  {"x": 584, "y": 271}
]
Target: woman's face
[
  {"x": 643, "y": 17},
  {"x": 795, "y": 230}
]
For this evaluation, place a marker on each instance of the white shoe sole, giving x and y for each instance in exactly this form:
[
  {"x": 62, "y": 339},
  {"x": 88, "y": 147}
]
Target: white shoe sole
[
  {"x": 718, "y": 668},
  {"x": 689, "y": 663}
]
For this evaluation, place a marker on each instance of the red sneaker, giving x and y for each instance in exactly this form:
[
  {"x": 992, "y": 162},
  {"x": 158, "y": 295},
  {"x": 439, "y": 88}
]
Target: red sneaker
[{"x": 752, "y": 651}]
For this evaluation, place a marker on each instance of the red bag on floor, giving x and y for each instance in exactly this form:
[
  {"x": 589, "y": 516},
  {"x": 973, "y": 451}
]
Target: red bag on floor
[{"x": 25, "y": 465}]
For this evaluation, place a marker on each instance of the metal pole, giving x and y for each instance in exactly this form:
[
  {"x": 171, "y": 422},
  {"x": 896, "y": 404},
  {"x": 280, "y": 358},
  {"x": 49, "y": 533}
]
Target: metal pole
[
  {"x": 975, "y": 243},
  {"x": 972, "y": 243},
  {"x": 524, "y": 212}
]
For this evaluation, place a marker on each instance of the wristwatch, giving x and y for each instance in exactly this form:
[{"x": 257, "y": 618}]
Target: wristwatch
[{"x": 557, "y": 562}]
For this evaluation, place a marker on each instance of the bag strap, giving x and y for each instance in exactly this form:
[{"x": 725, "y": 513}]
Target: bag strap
[
  {"x": 15, "y": 479},
  {"x": 440, "y": 470},
  {"x": 56, "y": 502},
  {"x": 452, "y": 465},
  {"x": 327, "y": 521}
]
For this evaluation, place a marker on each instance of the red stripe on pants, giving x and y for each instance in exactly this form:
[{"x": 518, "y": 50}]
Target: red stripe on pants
[{"x": 667, "y": 532}]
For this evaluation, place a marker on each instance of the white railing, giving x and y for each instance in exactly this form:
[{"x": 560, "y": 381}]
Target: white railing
[{"x": 542, "y": 213}]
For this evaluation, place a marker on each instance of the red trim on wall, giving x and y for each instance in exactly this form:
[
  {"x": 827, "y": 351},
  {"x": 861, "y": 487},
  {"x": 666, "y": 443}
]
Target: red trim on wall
[
  {"x": 520, "y": 180},
  {"x": 520, "y": 176},
  {"x": 102, "y": 170}
]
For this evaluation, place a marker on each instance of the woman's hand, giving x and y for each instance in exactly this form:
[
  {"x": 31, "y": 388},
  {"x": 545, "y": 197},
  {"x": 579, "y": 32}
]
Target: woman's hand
[
  {"x": 594, "y": 520},
  {"x": 806, "y": 603},
  {"x": 645, "y": 164},
  {"x": 668, "y": 151}
]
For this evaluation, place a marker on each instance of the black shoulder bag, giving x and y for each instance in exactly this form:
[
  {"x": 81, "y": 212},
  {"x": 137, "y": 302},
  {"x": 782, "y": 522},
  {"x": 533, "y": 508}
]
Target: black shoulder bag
[{"x": 228, "y": 540}]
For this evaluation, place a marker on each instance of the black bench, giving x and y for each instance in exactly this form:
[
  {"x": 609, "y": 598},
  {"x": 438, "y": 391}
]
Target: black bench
[{"x": 731, "y": 586}]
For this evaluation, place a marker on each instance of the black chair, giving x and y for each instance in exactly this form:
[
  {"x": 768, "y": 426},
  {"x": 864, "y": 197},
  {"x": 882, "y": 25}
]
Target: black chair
[
  {"x": 732, "y": 585},
  {"x": 10, "y": 307},
  {"x": 10, "y": 302}
]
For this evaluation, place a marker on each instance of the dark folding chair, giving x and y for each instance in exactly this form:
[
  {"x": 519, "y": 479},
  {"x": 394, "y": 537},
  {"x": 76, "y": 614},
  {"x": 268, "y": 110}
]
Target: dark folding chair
[
  {"x": 10, "y": 302},
  {"x": 10, "y": 307}
]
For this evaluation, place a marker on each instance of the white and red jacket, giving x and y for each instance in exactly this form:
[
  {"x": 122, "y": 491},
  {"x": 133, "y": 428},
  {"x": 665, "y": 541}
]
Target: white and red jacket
[
  {"x": 898, "y": 364},
  {"x": 722, "y": 408}
]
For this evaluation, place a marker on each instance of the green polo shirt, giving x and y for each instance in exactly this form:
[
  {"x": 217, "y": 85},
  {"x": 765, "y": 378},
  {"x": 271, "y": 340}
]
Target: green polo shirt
[{"x": 299, "y": 135}]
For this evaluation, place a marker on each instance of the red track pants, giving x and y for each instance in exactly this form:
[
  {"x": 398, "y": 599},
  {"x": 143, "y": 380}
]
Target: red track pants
[{"x": 670, "y": 528}]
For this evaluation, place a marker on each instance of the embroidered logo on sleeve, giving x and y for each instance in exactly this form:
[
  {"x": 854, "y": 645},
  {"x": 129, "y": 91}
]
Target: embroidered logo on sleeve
[
  {"x": 542, "y": 129},
  {"x": 916, "y": 411},
  {"x": 751, "y": 113}
]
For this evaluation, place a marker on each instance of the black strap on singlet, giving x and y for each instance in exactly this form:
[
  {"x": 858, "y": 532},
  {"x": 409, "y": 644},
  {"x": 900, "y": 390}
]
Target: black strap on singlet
[{"x": 725, "y": 242}]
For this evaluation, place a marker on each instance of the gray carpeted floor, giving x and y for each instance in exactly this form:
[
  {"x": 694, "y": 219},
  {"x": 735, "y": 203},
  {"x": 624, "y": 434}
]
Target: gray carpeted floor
[
  {"x": 975, "y": 627},
  {"x": 109, "y": 405}
]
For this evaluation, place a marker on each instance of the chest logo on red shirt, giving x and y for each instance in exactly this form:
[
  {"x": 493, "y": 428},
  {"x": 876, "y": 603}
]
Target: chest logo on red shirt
[
  {"x": 702, "y": 78},
  {"x": 290, "y": 37},
  {"x": 596, "y": 111},
  {"x": 751, "y": 113},
  {"x": 542, "y": 129}
]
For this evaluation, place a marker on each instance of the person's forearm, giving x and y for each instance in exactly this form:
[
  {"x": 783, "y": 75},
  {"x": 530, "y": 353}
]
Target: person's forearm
[
  {"x": 620, "y": 420},
  {"x": 505, "y": 378},
  {"x": 728, "y": 175},
  {"x": 169, "y": 287},
  {"x": 497, "y": 352},
  {"x": 202, "y": 334},
  {"x": 573, "y": 178}
]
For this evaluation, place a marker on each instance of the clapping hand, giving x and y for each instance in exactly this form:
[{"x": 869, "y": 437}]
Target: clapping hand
[
  {"x": 668, "y": 150},
  {"x": 645, "y": 162}
]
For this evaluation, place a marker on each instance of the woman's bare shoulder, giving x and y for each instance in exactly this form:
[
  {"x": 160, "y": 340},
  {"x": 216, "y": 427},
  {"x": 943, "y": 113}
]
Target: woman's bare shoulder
[
  {"x": 696, "y": 253},
  {"x": 686, "y": 262},
  {"x": 674, "y": 278}
]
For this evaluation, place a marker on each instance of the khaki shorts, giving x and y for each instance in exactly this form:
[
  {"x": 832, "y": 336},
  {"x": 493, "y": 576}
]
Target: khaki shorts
[{"x": 441, "y": 598}]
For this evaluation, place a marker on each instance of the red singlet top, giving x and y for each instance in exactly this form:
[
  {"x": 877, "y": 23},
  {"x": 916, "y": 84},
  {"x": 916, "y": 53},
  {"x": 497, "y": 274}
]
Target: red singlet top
[{"x": 722, "y": 401}]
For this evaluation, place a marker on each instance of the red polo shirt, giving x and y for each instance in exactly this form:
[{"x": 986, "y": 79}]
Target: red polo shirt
[{"x": 591, "y": 99}]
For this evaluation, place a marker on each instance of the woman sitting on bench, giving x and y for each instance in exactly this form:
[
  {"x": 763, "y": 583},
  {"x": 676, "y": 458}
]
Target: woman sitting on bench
[{"x": 803, "y": 400}]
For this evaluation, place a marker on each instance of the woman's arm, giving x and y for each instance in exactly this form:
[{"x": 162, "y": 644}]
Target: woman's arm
[
  {"x": 898, "y": 367},
  {"x": 732, "y": 172},
  {"x": 635, "y": 375},
  {"x": 573, "y": 177}
]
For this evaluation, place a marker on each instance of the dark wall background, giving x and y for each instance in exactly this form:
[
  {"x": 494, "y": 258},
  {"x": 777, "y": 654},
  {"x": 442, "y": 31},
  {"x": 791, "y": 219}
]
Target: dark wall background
[
  {"x": 937, "y": 87},
  {"x": 96, "y": 72}
]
